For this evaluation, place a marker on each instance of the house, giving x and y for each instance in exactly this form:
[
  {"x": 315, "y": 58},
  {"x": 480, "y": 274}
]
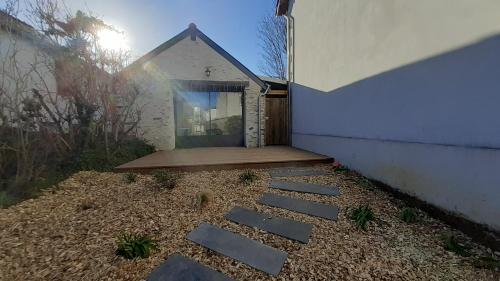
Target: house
[
  {"x": 195, "y": 94},
  {"x": 406, "y": 92},
  {"x": 25, "y": 60}
]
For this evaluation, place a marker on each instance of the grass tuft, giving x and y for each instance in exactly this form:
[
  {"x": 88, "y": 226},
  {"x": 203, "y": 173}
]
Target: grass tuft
[
  {"x": 131, "y": 246},
  {"x": 248, "y": 177},
  {"x": 450, "y": 243},
  {"x": 203, "y": 198},
  {"x": 362, "y": 215},
  {"x": 165, "y": 179},
  {"x": 409, "y": 215},
  {"x": 129, "y": 177}
]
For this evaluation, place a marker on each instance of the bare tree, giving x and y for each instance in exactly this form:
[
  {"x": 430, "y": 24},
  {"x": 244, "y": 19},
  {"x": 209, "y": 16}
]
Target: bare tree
[
  {"x": 21, "y": 130},
  {"x": 272, "y": 35},
  {"x": 61, "y": 94},
  {"x": 102, "y": 103}
]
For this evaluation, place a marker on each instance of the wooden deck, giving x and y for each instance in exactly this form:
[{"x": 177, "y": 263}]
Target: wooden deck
[{"x": 214, "y": 158}]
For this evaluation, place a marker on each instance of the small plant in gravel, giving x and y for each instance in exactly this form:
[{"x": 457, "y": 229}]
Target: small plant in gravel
[
  {"x": 248, "y": 177},
  {"x": 87, "y": 205},
  {"x": 362, "y": 215},
  {"x": 203, "y": 198},
  {"x": 339, "y": 168},
  {"x": 165, "y": 179},
  {"x": 129, "y": 177},
  {"x": 451, "y": 243},
  {"x": 409, "y": 215},
  {"x": 365, "y": 183},
  {"x": 487, "y": 262},
  {"x": 131, "y": 246}
]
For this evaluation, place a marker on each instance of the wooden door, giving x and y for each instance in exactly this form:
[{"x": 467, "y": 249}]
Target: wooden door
[{"x": 276, "y": 120}]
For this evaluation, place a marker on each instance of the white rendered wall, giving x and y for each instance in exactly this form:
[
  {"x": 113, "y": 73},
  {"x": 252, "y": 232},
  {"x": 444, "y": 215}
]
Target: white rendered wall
[{"x": 406, "y": 92}]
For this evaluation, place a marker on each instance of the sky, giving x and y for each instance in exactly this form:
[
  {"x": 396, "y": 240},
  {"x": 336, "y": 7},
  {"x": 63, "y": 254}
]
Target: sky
[{"x": 147, "y": 23}]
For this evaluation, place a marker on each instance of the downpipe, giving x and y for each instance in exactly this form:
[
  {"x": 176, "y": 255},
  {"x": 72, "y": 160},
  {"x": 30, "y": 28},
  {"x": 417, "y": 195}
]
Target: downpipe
[{"x": 259, "y": 132}]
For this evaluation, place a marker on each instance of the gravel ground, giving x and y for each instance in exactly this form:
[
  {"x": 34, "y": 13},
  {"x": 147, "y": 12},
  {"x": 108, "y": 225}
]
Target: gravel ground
[{"x": 69, "y": 233}]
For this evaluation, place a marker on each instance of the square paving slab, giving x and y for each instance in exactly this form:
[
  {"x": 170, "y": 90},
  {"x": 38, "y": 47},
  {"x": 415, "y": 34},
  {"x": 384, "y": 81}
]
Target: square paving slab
[
  {"x": 179, "y": 268},
  {"x": 305, "y": 187},
  {"x": 238, "y": 247},
  {"x": 296, "y": 172},
  {"x": 300, "y": 206},
  {"x": 291, "y": 229}
]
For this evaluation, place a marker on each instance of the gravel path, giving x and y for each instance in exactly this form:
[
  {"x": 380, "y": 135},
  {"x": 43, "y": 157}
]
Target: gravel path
[{"x": 68, "y": 233}]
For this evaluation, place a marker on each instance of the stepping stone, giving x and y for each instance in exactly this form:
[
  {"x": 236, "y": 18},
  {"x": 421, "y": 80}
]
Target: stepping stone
[
  {"x": 325, "y": 211},
  {"x": 238, "y": 247},
  {"x": 294, "y": 172},
  {"x": 305, "y": 187},
  {"x": 291, "y": 229},
  {"x": 179, "y": 268}
]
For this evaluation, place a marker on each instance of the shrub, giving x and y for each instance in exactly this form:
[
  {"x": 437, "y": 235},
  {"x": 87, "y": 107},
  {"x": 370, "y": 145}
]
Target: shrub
[
  {"x": 362, "y": 215},
  {"x": 129, "y": 177},
  {"x": 408, "y": 215},
  {"x": 94, "y": 158},
  {"x": 203, "y": 198},
  {"x": 165, "y": 179},
  {"x": 450, "y": 243},
  {"x": 131, "y": 246},
  {"x": 248, "y": 177}
]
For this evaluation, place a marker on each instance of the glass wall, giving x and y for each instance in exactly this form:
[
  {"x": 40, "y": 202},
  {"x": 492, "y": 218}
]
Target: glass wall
[{"x": 208, "y": 119}]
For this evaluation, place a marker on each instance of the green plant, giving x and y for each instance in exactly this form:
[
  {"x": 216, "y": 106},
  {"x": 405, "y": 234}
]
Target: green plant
[
  {"x": 450, "y": 243},
  {"x": 203, "y": 198},
  {"x": 490, "y": 263},
  {"x": 165, "y": 179},
  {"x": 409, "y": 215},
  {"x": 94, "y": 158},
  {"x": 248, "y": 177},
  {"x": 339, "y": 168},
  {"x": 5, "y": 200},
  {"x": 131, "y": 246},
  {"x": 362, "y": 215},
  {"x": 129, "y": 177}
]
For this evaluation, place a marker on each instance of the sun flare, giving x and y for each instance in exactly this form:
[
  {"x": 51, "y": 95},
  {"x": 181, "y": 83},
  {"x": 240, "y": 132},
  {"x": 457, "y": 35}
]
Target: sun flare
[{"x": 112, "y": 40}]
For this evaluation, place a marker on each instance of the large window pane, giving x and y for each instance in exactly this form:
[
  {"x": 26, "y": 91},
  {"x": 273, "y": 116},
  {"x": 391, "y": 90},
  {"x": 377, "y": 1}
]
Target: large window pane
[{"x": 208, "y": 119}]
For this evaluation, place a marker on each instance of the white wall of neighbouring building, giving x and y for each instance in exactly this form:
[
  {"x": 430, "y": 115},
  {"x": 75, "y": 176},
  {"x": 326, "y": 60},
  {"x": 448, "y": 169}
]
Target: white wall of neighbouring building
[{"x": 406, "y": 92}]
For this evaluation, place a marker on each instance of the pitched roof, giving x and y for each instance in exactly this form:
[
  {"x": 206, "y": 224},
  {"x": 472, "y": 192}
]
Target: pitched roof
[
  {"x": 17, "y": 27},
  {"x": 194, "y": 32},
  {"x": 12, "y": 24},
  {"x": 275, "y": 83}
]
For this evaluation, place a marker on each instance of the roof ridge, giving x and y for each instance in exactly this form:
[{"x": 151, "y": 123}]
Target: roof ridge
[{"x": 194, "y": 32}]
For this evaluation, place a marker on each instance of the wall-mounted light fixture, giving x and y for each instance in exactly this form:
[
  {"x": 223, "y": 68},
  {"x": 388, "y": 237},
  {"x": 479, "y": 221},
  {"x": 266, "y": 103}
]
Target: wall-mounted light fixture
[{"x": 207, "y": 71}]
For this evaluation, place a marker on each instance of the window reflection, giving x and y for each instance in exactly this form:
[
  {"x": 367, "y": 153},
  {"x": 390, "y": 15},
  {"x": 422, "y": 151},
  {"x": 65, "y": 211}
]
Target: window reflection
[{"x": 214, "y": 117}]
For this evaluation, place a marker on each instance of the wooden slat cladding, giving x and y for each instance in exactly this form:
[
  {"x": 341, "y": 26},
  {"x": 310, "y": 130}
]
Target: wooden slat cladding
[{"x": 276, "y": 120}]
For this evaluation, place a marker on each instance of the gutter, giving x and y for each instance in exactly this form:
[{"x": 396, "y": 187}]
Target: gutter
[{"x": 259, "y": 132}]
